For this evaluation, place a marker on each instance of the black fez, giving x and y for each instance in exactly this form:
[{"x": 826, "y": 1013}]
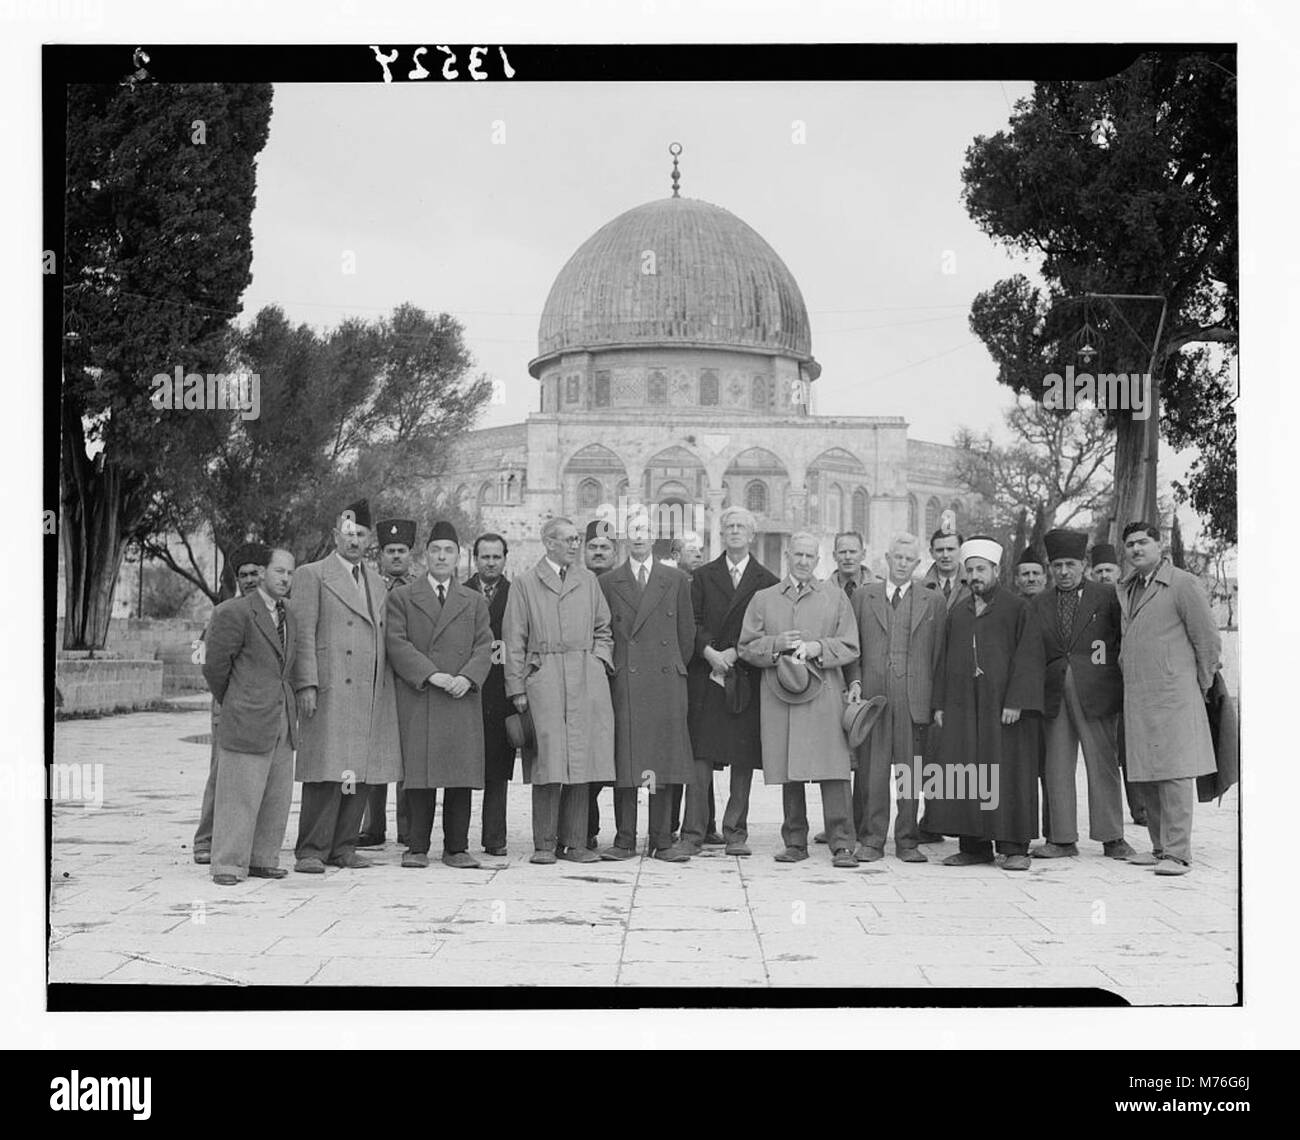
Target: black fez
[
  {"x": 1065, "y": 544},
  {"x": 359, "y": 512},
  {"x": 598, "y": 528},
  {"x": 442, "y": 531},
  {"x": 396, "y": 530},
  {"x": 251, "y": 552},
  {"x": 1102, "y": 554},
  {"x": 1029, "y": 558}
]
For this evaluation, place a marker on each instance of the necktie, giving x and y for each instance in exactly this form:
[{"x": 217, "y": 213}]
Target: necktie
[
  {"x": 442, "y": 593},
  {"x": 849, "y": 587},
  {"x": 735, "y": 576},
  {"x": 947, "y": 588},
  {"x": 1067, "y": 602},
  {"x": 356, "y": 574},
  {"x": 280, "y": 626},
  {"x": 897, "y": 598},
  {"x": 489, "y": 591},
  {"x": 641, "y": 576},
  {"x": 563, "y": 571},
  {"x": 1139, "y": 588}
]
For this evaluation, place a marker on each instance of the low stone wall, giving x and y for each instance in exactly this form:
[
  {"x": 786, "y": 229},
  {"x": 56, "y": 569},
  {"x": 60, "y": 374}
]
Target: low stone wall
[
  {"x": 169, "y": 641},
  {"x": 105, "y": 684}
]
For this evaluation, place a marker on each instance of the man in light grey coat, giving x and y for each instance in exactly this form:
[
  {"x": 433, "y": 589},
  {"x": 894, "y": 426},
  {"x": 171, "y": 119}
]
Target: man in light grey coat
[{"x": 1169, "y": 653}]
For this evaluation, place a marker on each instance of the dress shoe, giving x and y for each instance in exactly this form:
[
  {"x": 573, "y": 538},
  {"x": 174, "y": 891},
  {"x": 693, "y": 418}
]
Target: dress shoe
[
  {"x": 1055, "y": 850},
  {"x": 371, "y": 841},
  {"x": 351, "y": 860},
  {"x": 689, "y": 847},
  {"x": 496, "y": 852},
  {"x": 462, "y": 859},
  {"x": 865, "y": 854},
  {"x": 203, "y": 857},
  {"x": 616, "y": 853},
  {"x": 1143, "y": 859},
  {"x": 1168, "y": 865},
  {"x": 309, "y": 866},
  {"x": 413, "y": 859},
  {"x": 928, "y": 837},
  {"x": 267, "y": 872},
  {"x": 741, "y": 849},
  {"x": 820, "y": 837},
  {"x": 844, "y": 858},
  {"x": 967, "y": 859},
  {"x": 1016, "y": 863},
  {"x": 713, "y": 839},
  {"x": 1117, "y": 849},
  {"x": 910, "y": 855},
  {"x": 574, "y": 855},
  {"x": 673, "y": 854},
  {"x": 792, "y": 855},
  {"x": 225, "y": 880},
  {"x": 542, "y": 856}
]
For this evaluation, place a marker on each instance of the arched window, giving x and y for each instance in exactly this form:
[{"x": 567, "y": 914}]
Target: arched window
[
  {"x": 914, "y": 518},
  {"x": 956, "y": 508},
  {"x": 485, "y": 495},
  {"x": 758, "y": 393},
  {"x": 861, "y": 512},
  {"x": 657, "y": 389},
  {"x": 708, "y": 388},
  {"x": 756, "y": 497},
  {"x": 834, "y": 507},
  {"x": 933, "y": 509},
  {"x": 588, "y": 495}
]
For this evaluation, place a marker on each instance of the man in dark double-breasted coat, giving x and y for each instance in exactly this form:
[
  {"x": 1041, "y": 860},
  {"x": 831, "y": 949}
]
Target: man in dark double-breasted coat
[
  {"x": 724, "y": 718},
  {"x": 440, "y": 645},
  {"x": 654, "y": 639}
]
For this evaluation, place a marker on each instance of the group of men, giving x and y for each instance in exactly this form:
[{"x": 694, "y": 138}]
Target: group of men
[{"x": 949, "y": 692}]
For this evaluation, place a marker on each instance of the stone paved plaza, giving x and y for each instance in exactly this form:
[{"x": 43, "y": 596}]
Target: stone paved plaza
[{"x": 129, "y": 905}]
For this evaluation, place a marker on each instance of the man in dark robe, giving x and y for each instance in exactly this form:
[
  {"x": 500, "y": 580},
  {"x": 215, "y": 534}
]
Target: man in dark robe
[{"x": 982, "y": 782}]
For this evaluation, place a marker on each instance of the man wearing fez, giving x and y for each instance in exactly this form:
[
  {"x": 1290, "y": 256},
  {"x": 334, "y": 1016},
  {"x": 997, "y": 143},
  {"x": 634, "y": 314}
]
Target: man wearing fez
[
  {"x": 489, "y": 579},
  {"x": 347, "y": 700},
  {"x": 1031, "y": 573},
  {"x": 945, "y": 574},
  {"x": 249, "y": 563},
  {"x": 599, "y": 554},
  {"x": 396, "y": 539},
  {"x": 654, "y": 640},
  {"x": 558, "y": 657},
  {"x": 1104, "y": 564},
  {"x": 1083, "y": 693},
  {"x": 990, "y": 671},
  {"x": 250, "y": 651},
  {"x": 724, "y": 704},
  {"x": 1170, "y": 653},
  {"x": 800, "y": 633},
  {"x": 440, "y": 647},
  {"x": 900, "y": 629}
]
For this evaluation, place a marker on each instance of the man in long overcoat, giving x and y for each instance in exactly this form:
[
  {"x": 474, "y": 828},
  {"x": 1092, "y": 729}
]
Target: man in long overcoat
[
  {"x": 558, "y": 655},
  {"x": 724, "y": 719},
  {"x": 440, "y": 646},
  {"x": 347, "y": 700},
  {"x": 900, "y": 630},
  {"x": 490, "y": 553},
  {"x": 809, "y": 623},
  {"x": 1082, "y": 696},
  {"x": 654, "y": 640},
  {"x": 599, "y": 555},
  {"x": 1169, "y": 654},
  {"x": 983, "y": 785}
]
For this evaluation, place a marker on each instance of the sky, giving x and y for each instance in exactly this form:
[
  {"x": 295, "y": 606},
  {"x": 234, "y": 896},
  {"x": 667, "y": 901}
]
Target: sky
[{"x": 470, "y": 199}]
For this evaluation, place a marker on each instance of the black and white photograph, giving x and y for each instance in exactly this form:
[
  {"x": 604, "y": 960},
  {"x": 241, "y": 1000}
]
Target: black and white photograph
[{"x": 566, "y": 522}]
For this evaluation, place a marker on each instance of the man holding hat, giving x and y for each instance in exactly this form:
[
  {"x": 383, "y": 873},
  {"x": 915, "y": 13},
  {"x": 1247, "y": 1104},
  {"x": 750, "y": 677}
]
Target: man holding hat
[
  {"x": 800, "y": 633},
  {"x": 1104, "y": 564},
  {"x": 1082, "y": 696},
  {"x": 440, "y": 645},
  {"x": 900, "y": 628},
  {"x": 990, "y": 672},
  {"x": 396, "y": 540},
  {"x": 347, "y": 700},
  {"x": 558, "y": 656},
  {"x": 249, "y": 563},
  {"x": 654, "y": 640},
  {"x": 1031, "y": 573}
]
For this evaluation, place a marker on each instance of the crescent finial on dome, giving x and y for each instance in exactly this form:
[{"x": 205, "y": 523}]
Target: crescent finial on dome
[{"x": 675, "y": 149}]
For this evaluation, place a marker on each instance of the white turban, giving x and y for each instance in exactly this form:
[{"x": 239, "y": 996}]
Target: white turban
[{"x": 982, "y": 548}]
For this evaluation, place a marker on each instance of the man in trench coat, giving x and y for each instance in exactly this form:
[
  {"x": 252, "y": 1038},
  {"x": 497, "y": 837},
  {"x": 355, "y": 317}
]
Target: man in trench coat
[
  {"x": 1169, "y": 654},
  {"x": 346, "y": 696},
  {"x": 558, "y": 656},
  {"x": 440, "y": 646},
  {"x": 811, "y": 623},
  {"x": 654, "y": 640}
]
